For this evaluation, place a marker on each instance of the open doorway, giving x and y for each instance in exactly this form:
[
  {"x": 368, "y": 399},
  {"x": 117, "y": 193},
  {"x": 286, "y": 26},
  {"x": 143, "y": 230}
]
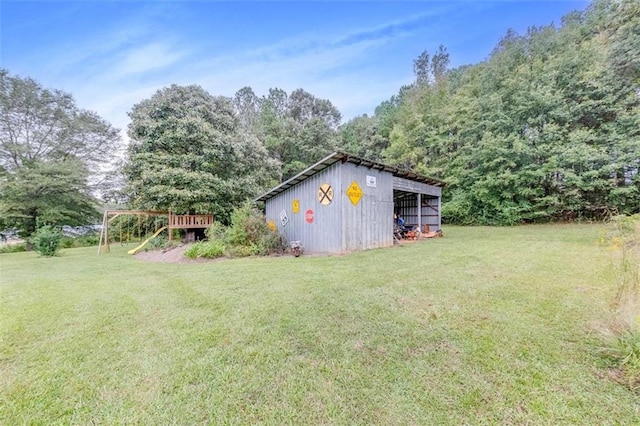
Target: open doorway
[{"x": 419, "y": 211}]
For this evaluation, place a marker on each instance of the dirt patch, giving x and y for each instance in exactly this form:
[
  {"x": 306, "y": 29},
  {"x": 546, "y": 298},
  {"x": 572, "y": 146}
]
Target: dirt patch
[{"x": 171, "y": 255}]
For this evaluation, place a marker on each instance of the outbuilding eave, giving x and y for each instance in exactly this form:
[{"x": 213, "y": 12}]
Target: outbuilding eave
[{"x": 343, "y": 157}]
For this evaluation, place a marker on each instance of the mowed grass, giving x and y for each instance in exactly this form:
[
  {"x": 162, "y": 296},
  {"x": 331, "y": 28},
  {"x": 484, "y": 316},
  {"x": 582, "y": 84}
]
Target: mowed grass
[{"x": 484, "y": 326}]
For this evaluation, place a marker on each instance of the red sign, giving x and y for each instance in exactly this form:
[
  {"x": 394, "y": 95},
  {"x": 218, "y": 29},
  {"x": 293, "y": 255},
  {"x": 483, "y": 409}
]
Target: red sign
[{"x": 308, "y": 216}]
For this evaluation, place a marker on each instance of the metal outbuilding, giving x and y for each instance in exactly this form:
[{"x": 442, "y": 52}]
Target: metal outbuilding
[{"x": 345, "y": 203}]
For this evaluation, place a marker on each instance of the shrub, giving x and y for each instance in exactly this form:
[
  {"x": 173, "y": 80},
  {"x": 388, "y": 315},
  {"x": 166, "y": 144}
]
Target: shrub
[
  {"x": 159, "y": 242},
  {"x": 211, "y": 249},
  {"x": 46, "y": 240},
  {"x": 249, "y": 229},
  {"x": 66, "y": 242},
  {"x": 216, "y": 232},
  {"x": 192, "y": 251},
  {"x": 205, "y": 249},
  {"x": 13, "y": 248},
  {"x": 248, "y": 235},
  {"x": 241, "y": 232},
  {"x": 241, "y": 251},
  {"x": 82, "y": 241}
]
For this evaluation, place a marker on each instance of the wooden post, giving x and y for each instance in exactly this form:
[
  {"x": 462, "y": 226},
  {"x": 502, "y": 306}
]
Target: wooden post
[
  {"x": 439, "y": 213},
  {"x": 419, "y": 211},
  {"x": 104, "y": 222},
  {"x": 169, "y": 227},
  {"x": 106, "y": 237}
]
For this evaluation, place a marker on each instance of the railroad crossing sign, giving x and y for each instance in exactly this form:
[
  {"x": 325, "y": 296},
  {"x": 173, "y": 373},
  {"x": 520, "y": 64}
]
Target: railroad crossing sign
[
  {"x": 354, "y": 193},
  {"x": 325, "y": 194}
]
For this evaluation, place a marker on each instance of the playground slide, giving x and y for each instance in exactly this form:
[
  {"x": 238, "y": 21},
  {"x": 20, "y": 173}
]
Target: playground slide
[{"x": 144, "y": 243}]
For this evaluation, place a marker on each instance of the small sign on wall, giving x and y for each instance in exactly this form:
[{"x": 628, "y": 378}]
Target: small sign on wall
[
  {"x": 325, "y": 194},
  {"x": 354, "y": 193},
  {"x": 308, "y": 216},
  {"x": 283, "y": 218},
  {"x": 371, "y": 181},
  {"x": 295, "y": 206}
]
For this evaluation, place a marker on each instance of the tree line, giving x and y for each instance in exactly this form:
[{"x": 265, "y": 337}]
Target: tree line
[{"x": 546, "y": 128}]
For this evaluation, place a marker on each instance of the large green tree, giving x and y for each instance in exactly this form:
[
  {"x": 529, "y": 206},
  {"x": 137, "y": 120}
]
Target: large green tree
[
  {"x": 297, "y": 129},
  {"x": 549, "y": 133},
  {"x": 547, "y": 128},
  {"x": 47, "y": 193},
  {"x": 40, "y": 124},
  {"x": 361, "y": 136},
  {"x": 188, "y": 155},
  {"x": 50, "y": 155}
]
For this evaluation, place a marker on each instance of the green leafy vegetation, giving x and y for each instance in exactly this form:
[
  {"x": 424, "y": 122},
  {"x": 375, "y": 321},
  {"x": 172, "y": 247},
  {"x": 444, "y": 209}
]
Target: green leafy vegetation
[
  {"x": 297, "y": 129},
  {"x": 46, "y": 240},
  {"x": 159, "y": 242},
  {"x": 622, "y": 331},
  {"x": 188, "y": 155},
  {"x": 80, "y": 241},
  {"x": 247, "y": 235},
  {"x": 484, "y": 326},
  {"x": 13, "y": 248},
  {"x": 48, "y": 149},
  {"x": 545, "y": 129},
  {"x": 205, "y": 249}
]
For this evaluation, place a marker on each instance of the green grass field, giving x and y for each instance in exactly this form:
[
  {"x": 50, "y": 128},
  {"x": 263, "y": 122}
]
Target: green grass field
[{"x": 484, "y": 326}]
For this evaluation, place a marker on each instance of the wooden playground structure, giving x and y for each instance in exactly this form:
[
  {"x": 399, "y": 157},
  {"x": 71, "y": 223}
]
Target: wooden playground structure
[{"x": 174, "y": 221}]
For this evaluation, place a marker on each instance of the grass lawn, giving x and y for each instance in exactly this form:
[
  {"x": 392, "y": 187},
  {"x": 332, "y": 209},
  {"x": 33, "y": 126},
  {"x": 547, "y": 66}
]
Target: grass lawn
[{"x": 484, "y": 326}]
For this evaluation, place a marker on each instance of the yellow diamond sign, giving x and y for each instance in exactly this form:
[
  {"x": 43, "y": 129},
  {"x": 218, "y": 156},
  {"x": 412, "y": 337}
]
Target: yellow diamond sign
[{"x": 354, "y": 193}]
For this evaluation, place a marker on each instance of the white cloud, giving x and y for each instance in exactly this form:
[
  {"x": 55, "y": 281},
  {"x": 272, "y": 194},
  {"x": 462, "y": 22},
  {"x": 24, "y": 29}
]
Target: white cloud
[
  {"x": 118, "y": 69},
  {"x": 74, "y": 57},
  {"x": 308, "y": 62},
  {"x": 150, "y": 57}
]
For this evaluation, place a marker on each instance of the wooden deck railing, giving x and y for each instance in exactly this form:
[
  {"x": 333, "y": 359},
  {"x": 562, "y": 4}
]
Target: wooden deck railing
[{"x": 190, "y": 221}]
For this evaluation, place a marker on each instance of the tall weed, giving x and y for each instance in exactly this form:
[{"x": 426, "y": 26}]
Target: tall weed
[
  {"x": 622, "y": 332},
  {"x": 205, "y": 249}
]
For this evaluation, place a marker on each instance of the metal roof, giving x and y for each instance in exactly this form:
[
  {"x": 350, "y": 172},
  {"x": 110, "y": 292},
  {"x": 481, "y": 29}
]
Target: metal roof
[{"x": 344, "y": 158}]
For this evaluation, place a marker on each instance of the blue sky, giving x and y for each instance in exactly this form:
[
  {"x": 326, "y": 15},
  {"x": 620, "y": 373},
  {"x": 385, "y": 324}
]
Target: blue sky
[{"x": 110, "y": 55}]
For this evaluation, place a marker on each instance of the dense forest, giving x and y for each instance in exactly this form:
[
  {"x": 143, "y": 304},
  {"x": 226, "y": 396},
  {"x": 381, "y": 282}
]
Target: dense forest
[{"x": 546, "y": 128}]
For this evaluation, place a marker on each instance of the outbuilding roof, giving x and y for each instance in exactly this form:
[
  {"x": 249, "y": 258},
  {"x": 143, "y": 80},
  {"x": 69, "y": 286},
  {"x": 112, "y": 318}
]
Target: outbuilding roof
[{"x": 344, "y": 157}]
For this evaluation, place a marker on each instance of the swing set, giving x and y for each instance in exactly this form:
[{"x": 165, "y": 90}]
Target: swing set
[{"x": 172, "y": 222}]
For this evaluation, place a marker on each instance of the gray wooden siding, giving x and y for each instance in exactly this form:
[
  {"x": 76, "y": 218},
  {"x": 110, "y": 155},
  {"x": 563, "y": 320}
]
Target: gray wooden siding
[
  {"x": 323, "y": 235},
  {"x": 411, "y": 186},
  {"x": 342, "y": 227},
  {"x": 368, "y": 224},
  {"x": 431, "y": 213}
]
